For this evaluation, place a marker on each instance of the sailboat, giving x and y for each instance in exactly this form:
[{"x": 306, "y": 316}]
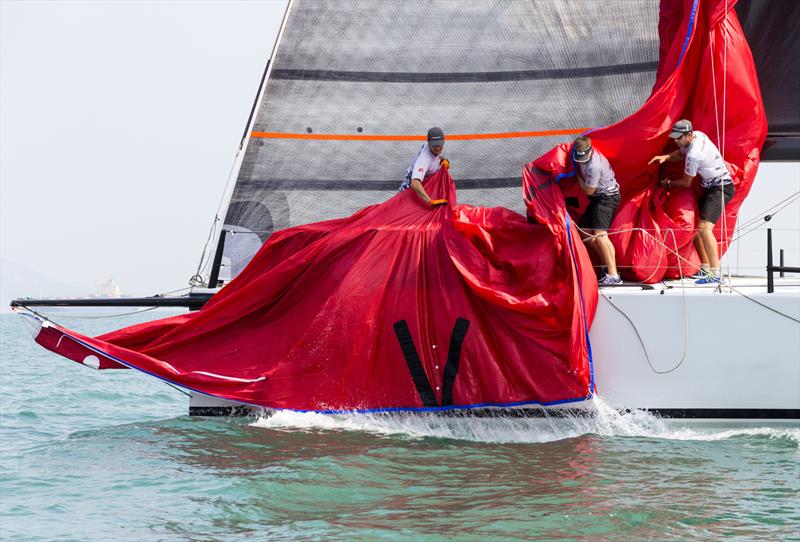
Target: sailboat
[{"x": 342, "y": 105}]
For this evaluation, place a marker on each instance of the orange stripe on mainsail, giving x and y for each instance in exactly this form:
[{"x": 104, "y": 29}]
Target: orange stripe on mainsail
[{"x": 376, "y": 137}]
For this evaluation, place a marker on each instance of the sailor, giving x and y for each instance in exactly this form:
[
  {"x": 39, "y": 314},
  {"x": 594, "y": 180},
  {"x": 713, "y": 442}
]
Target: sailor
[
  {"x": 596, "y": 179},
  {"x": 703, "y": 158},
  {"x": 427, "y": 161}
]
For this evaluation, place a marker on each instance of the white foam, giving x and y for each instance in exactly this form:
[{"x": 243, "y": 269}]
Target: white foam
[{"x": 606, "y": 421}]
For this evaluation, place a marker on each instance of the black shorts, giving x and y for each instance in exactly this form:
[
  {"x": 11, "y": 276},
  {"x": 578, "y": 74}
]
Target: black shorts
[
  {"x": 600, "y": 212},
  {"x": 711, "y": 202}
]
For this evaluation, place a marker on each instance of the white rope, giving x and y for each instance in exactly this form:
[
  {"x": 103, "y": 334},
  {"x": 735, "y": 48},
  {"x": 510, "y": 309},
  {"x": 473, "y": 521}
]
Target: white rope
[
  {"x": 685, "y": 322},
  {"x": 722, "y": 27},
  {"x": 721, "y": 133}
]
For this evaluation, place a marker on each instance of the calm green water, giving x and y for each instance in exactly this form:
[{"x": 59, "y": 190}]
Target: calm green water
[{"x": 86, "y": 455}]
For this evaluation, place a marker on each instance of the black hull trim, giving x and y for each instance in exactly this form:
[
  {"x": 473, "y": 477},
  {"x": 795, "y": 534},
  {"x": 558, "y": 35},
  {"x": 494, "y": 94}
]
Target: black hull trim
[{"x": 673, "y": 413}]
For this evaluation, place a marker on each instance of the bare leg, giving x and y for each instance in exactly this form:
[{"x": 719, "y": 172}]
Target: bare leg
[
  {"x": 709, "y": 243},
  {"x": 699, "y": 246},
  {"x": 605, "y": 249},
  {"x": 590, "y": 241}
]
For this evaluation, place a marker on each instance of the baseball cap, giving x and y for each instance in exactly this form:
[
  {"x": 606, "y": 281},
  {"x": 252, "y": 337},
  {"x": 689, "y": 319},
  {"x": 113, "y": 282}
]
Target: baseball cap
[
  {"x": 436, "y": 136},
  {"x": 680, "y": 128},
  {"x": 581, "y": 149}
]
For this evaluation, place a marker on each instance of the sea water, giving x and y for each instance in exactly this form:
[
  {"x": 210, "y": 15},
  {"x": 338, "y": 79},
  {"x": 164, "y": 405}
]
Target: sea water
[{"x": 112, "y": 455}]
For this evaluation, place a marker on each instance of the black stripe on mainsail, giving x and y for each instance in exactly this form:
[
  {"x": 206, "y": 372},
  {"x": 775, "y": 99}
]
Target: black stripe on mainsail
[
  {"x": 461, "y": 77},
  {"x": 411, "y": 356},
  {"x": 453, "y": 357},
  {"x": 289, "y": 185}
]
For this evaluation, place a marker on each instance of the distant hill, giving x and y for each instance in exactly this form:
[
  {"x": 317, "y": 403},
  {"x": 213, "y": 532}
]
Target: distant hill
[{"x": 18, "y": 280}]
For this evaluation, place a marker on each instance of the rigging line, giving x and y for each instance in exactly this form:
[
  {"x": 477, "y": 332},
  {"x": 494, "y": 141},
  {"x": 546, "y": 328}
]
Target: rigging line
[
  {"x": 164, "y": 294},
  {"x": 720, "y": 141},
  {"x": 724, "y": 74},
  {"x": 714, "y": 88},
  {"x": 641, "y": 341},
  {"x": 685, "y": 308},
  {"x": 721, "y": 28},
  {"x": 679, "y": 258},
  {"x": 685, "y": 320},
  {"x": 760, "y": 216},
  {"x": 173, "y": 386},
  {"x": 98, "y": 317},
  {"x": 608, "y": 233},
  {"x": 759, "y": 226},
  {"x": 202, "y": 265},
  {"x": 776, "y": 311}
]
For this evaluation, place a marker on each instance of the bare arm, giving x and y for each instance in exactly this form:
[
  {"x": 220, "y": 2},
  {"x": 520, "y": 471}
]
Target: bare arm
[
  {"x": 685, "y": 182},
  {"x": 674, "y": 156},
  {"x": 416, "y": 185}
]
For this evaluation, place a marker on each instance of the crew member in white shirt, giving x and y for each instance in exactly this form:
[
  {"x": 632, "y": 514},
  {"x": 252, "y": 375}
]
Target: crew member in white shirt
[
  {"x": 427, "y": 161},
  {"x": 597, "y": 180},
  {"x": 703, "y": 158}
]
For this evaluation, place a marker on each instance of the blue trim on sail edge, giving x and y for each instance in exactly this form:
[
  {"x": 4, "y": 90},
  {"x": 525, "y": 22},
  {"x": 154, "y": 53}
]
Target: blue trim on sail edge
[
  {"x": 583, "y": 307},
  {"x": 689, "y": 32}
]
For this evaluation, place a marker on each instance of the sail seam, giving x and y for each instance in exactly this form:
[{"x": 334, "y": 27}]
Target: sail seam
[
  {"x": 461, "y": 77},
  {"x": 366, "y": 185}
]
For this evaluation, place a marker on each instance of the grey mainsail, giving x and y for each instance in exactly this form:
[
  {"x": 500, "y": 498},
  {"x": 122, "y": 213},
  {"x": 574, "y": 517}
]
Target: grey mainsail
[{"x": 352, "y": 84}]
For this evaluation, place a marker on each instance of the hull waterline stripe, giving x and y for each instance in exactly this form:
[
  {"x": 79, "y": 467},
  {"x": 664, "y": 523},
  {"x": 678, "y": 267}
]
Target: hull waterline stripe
[
  {"x": 414, "y": 137},
  {"x": 742, "y": 414}
]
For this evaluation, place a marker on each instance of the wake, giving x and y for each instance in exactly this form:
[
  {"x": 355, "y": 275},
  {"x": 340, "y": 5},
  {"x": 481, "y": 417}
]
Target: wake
[{"x": 603, "y": 421}]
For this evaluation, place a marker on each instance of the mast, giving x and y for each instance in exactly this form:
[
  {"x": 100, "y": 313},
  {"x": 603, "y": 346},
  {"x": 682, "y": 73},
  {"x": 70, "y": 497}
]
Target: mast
[{"x": 218, "y": 224}]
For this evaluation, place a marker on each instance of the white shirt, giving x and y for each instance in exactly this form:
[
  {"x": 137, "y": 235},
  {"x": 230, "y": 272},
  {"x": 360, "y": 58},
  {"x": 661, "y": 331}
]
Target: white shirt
[
  {"x": 703, "y": 158},
  {"x": 597, "y": 174},
  {"x": 423, "y": 164}
]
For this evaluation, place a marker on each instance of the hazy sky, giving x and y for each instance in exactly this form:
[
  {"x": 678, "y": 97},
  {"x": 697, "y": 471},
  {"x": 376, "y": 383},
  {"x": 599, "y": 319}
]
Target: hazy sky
[{"x": 120, "y": 123}]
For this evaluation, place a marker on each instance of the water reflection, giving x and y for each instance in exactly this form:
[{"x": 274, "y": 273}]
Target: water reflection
[{"x": 379, "y": 481}]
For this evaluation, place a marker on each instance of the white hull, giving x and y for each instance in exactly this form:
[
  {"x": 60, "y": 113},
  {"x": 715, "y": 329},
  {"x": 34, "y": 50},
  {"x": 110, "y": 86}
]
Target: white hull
[{"x": 696, "y": 348}]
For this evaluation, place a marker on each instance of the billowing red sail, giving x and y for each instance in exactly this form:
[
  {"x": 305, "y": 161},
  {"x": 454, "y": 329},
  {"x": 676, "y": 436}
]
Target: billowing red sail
[
  {"x": 399, "y": 306},
  {"x": 706, "y": 74}
]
